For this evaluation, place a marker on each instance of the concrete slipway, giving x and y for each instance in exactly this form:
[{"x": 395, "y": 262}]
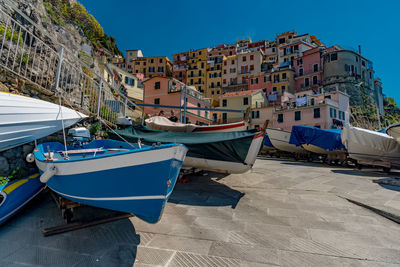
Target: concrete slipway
[{"x": 281, "y": 213}]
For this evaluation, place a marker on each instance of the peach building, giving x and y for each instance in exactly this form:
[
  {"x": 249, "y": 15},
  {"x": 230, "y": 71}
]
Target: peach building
[
  {"x": 309, "y": 69},
  {"x": 180, "y": 66},
  {"x": 169, "y": 91},
  {"x": 326, "y": 110}
]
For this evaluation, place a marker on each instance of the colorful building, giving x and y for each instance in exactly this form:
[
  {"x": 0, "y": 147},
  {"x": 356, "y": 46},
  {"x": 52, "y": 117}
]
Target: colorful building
[
  {"x": 169, "y": 91},
  {"x": 282, "y": 80},
  {"x": 180, "y": 66},
  {"x": 326, "y": 110},
  {"x": 214, "y": 77},
  {"x": 196, "y": 74},
  {"x": 249, "y": 65},
  {"x": 262, "y": 81},
  {"x": 229, "y": 75},
  {"x": 240, "y": 100},
  {"x": 309, "y": 69}
]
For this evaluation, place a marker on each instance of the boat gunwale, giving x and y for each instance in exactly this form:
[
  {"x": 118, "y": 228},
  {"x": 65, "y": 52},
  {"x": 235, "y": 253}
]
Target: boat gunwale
[{"x": 129, "y": 151}]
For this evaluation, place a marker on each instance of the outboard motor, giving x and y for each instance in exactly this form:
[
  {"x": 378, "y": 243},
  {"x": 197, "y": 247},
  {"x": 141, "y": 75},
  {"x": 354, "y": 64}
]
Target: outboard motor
[
  {"x": 78, "y": 136},
  {"x": 124, "y": 122}
]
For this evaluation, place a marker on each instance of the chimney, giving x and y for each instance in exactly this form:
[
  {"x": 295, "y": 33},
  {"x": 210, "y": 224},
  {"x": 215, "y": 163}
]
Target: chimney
[{"x": 359, "y": 49}]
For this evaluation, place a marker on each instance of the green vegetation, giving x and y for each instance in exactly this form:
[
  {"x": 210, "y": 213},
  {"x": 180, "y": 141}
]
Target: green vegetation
[
  {"x": 61, "y": 11},
  {"x": 17, "y": 173},
  {"x": 95, "y": 128},
  {"x": 15, "y": 35}
]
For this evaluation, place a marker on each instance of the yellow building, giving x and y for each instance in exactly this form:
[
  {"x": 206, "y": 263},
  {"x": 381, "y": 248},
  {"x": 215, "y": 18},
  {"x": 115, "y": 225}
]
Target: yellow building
[
  {"x": 283, "y": 80},
  {"x": 152, "y": 66},
  {"x": 240, "y": 100},
  {"x": 214, "y": 77},
  {"x": 196, "y": 74}
]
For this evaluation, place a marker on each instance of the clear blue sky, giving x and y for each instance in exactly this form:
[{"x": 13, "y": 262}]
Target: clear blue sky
[{"x": 162, "y": 27}]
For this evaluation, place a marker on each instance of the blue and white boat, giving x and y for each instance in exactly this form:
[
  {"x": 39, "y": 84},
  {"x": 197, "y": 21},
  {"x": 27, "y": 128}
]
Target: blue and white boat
[
  {"x": 15, "y": 194},
  {"x": 112, "y": 174},
  {"x": 320, "y": 141}
]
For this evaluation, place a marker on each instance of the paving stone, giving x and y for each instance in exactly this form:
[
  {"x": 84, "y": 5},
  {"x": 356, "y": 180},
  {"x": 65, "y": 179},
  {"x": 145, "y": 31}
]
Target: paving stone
[
  {"x": 180, "y": 244},
  {"x": 182, "y": 259},
  {"x": 245, "y": 252},
  {"x": 153, "y": 256}
]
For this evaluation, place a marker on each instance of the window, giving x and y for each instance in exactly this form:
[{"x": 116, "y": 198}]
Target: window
[
  {"x": 129, "y": 66},
  {"x": 332, "y": 112},
  {"x": 283, "y": 76},
  {"x": 217, "y": 92},
  {"x": 160, "y": 69},
  {"x": 244, "y": 58},
  {"x": 299, "y": 61},
  {"x": 160, "y": 60},
  {"x": 255, "y": 114},
  {"x": 363, "y": 63},
  {"x": 280, "y": 118},
  {"x": 251, "y": 57},
  {"x": 218, "y": 84},
  {"x": 198, "y": 111},
  {"x": 306, "y": 82},
  {"x": 157, "y": 101},
  {"x": 224, "y": 117},
  {"x": 315, "y": 67},
  {"x": 245, "y": 101},
  {"x": 151, "y": 60},
  {"x": 300, "y": 72},
  {"x": 224, "y": 102},
  {"x": 157, "y": 85},
  {"x": 251, "y": 67},
  {"x": 224, "y": 81},
  {"x": 283, "y": 88},
  {"x": 333, "y": 56},
  {"x": 126, "y": 79},
  {"x": 341, "y": 115},
  {"x": 212, "y": 92},
  {"x": 256, "y": 81},
  {"x": 199, "y": 53},
  {"x": 317, "y": 113},
  {"x": 314, "y": 79},
  {"x": 297, "y": 115},
  {"x": 225, "y": 71},
  {"x": 265, "y": 78},
  {"x": 370, "y": 75},
  {"x": 346, "y": 67},
  {"x": 224, "y": 63},
  {"x": 274, "y": 89}
]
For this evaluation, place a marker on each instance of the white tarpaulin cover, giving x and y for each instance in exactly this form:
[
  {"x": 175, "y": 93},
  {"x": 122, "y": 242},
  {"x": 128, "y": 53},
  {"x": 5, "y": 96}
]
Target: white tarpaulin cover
[
  {"x": 394, "y": 130},
  {"x": 363, "y": 144},
  {"x": 164, "y": 124}
]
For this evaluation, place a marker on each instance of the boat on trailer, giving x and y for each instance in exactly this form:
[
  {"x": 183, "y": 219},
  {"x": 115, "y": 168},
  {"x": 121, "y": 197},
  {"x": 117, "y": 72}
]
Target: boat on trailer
[
  {"x": 280, "y": 140},
  {"x": 115, "y": 175},
  {"x": 164, "y": 124},
  {"x": 320, "y": 141},
  {"x": 371, "y": 147},
  {"x": 25, "y": 119},
  {"x": 226, "y": 152}
]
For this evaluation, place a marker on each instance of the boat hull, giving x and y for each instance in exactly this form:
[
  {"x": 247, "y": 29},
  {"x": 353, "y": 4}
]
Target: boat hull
[
  {"x": 365, "y": 145},
  {"x": 230, "y": 127},
  {"x": 280, "y": 140},
  {"x": 24, "y": 119},
  {"x": 17, "y": 194},
  {"x": 139, "y": 183},
  {"x": 335, "y": 154},
  {"x": 227, "y": 166}
]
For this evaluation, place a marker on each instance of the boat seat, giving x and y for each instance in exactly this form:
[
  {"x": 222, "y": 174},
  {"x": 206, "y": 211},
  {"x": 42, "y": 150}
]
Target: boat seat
[{"x": 82, "y": 151}]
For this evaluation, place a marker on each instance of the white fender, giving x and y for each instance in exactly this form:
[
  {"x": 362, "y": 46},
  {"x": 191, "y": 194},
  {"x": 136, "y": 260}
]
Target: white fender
[
  {"x": 30, "y": 158},
  {"x": 50, "y": 172}
]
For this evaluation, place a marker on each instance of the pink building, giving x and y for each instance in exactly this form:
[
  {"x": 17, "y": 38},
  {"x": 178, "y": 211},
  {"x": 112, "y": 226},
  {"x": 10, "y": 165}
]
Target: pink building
[
  {"x": 262, "y": 81},
  {"x": 309, "y": 69},
  {"x": 167, "y": 91},
  {"x": 222, "y": 49},
  {"x": 326, "y": 110}
]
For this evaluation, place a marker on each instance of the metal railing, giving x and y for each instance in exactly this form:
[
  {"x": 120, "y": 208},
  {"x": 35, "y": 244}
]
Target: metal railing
[{"x": 31, "y": 53}]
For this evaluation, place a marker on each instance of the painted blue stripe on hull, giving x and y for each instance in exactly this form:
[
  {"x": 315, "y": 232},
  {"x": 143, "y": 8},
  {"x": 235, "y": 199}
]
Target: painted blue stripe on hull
[{"x": 140, "y": 180}]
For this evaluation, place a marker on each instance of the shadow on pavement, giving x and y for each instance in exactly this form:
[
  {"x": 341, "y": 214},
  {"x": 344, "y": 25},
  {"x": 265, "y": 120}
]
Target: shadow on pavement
[
  {"x": 361, "y": 173},
  {"x": 204, "y": 191},
  {"x": 22, "y": 242}
]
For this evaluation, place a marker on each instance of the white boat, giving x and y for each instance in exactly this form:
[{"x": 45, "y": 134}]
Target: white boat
[
  {"x": 394, "y": 131},
  {"x": 280, "y": 140},
  {"x": 370, "y": 146},
  {"x": 164, "y": 124},
  {"x": 25, "y": 119}
]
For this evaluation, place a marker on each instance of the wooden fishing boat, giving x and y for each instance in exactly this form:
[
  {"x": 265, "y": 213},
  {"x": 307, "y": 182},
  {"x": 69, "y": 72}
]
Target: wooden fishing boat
[
  {"x": 226, "y": 152},
  {"x": 114, "y": 175}
]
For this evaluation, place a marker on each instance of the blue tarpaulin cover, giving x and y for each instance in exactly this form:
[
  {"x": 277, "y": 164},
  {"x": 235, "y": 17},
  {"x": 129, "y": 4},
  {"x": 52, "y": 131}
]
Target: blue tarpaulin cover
[
  {"x": 267, "y": 142},
  {"x": 327, "y": 139}
]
